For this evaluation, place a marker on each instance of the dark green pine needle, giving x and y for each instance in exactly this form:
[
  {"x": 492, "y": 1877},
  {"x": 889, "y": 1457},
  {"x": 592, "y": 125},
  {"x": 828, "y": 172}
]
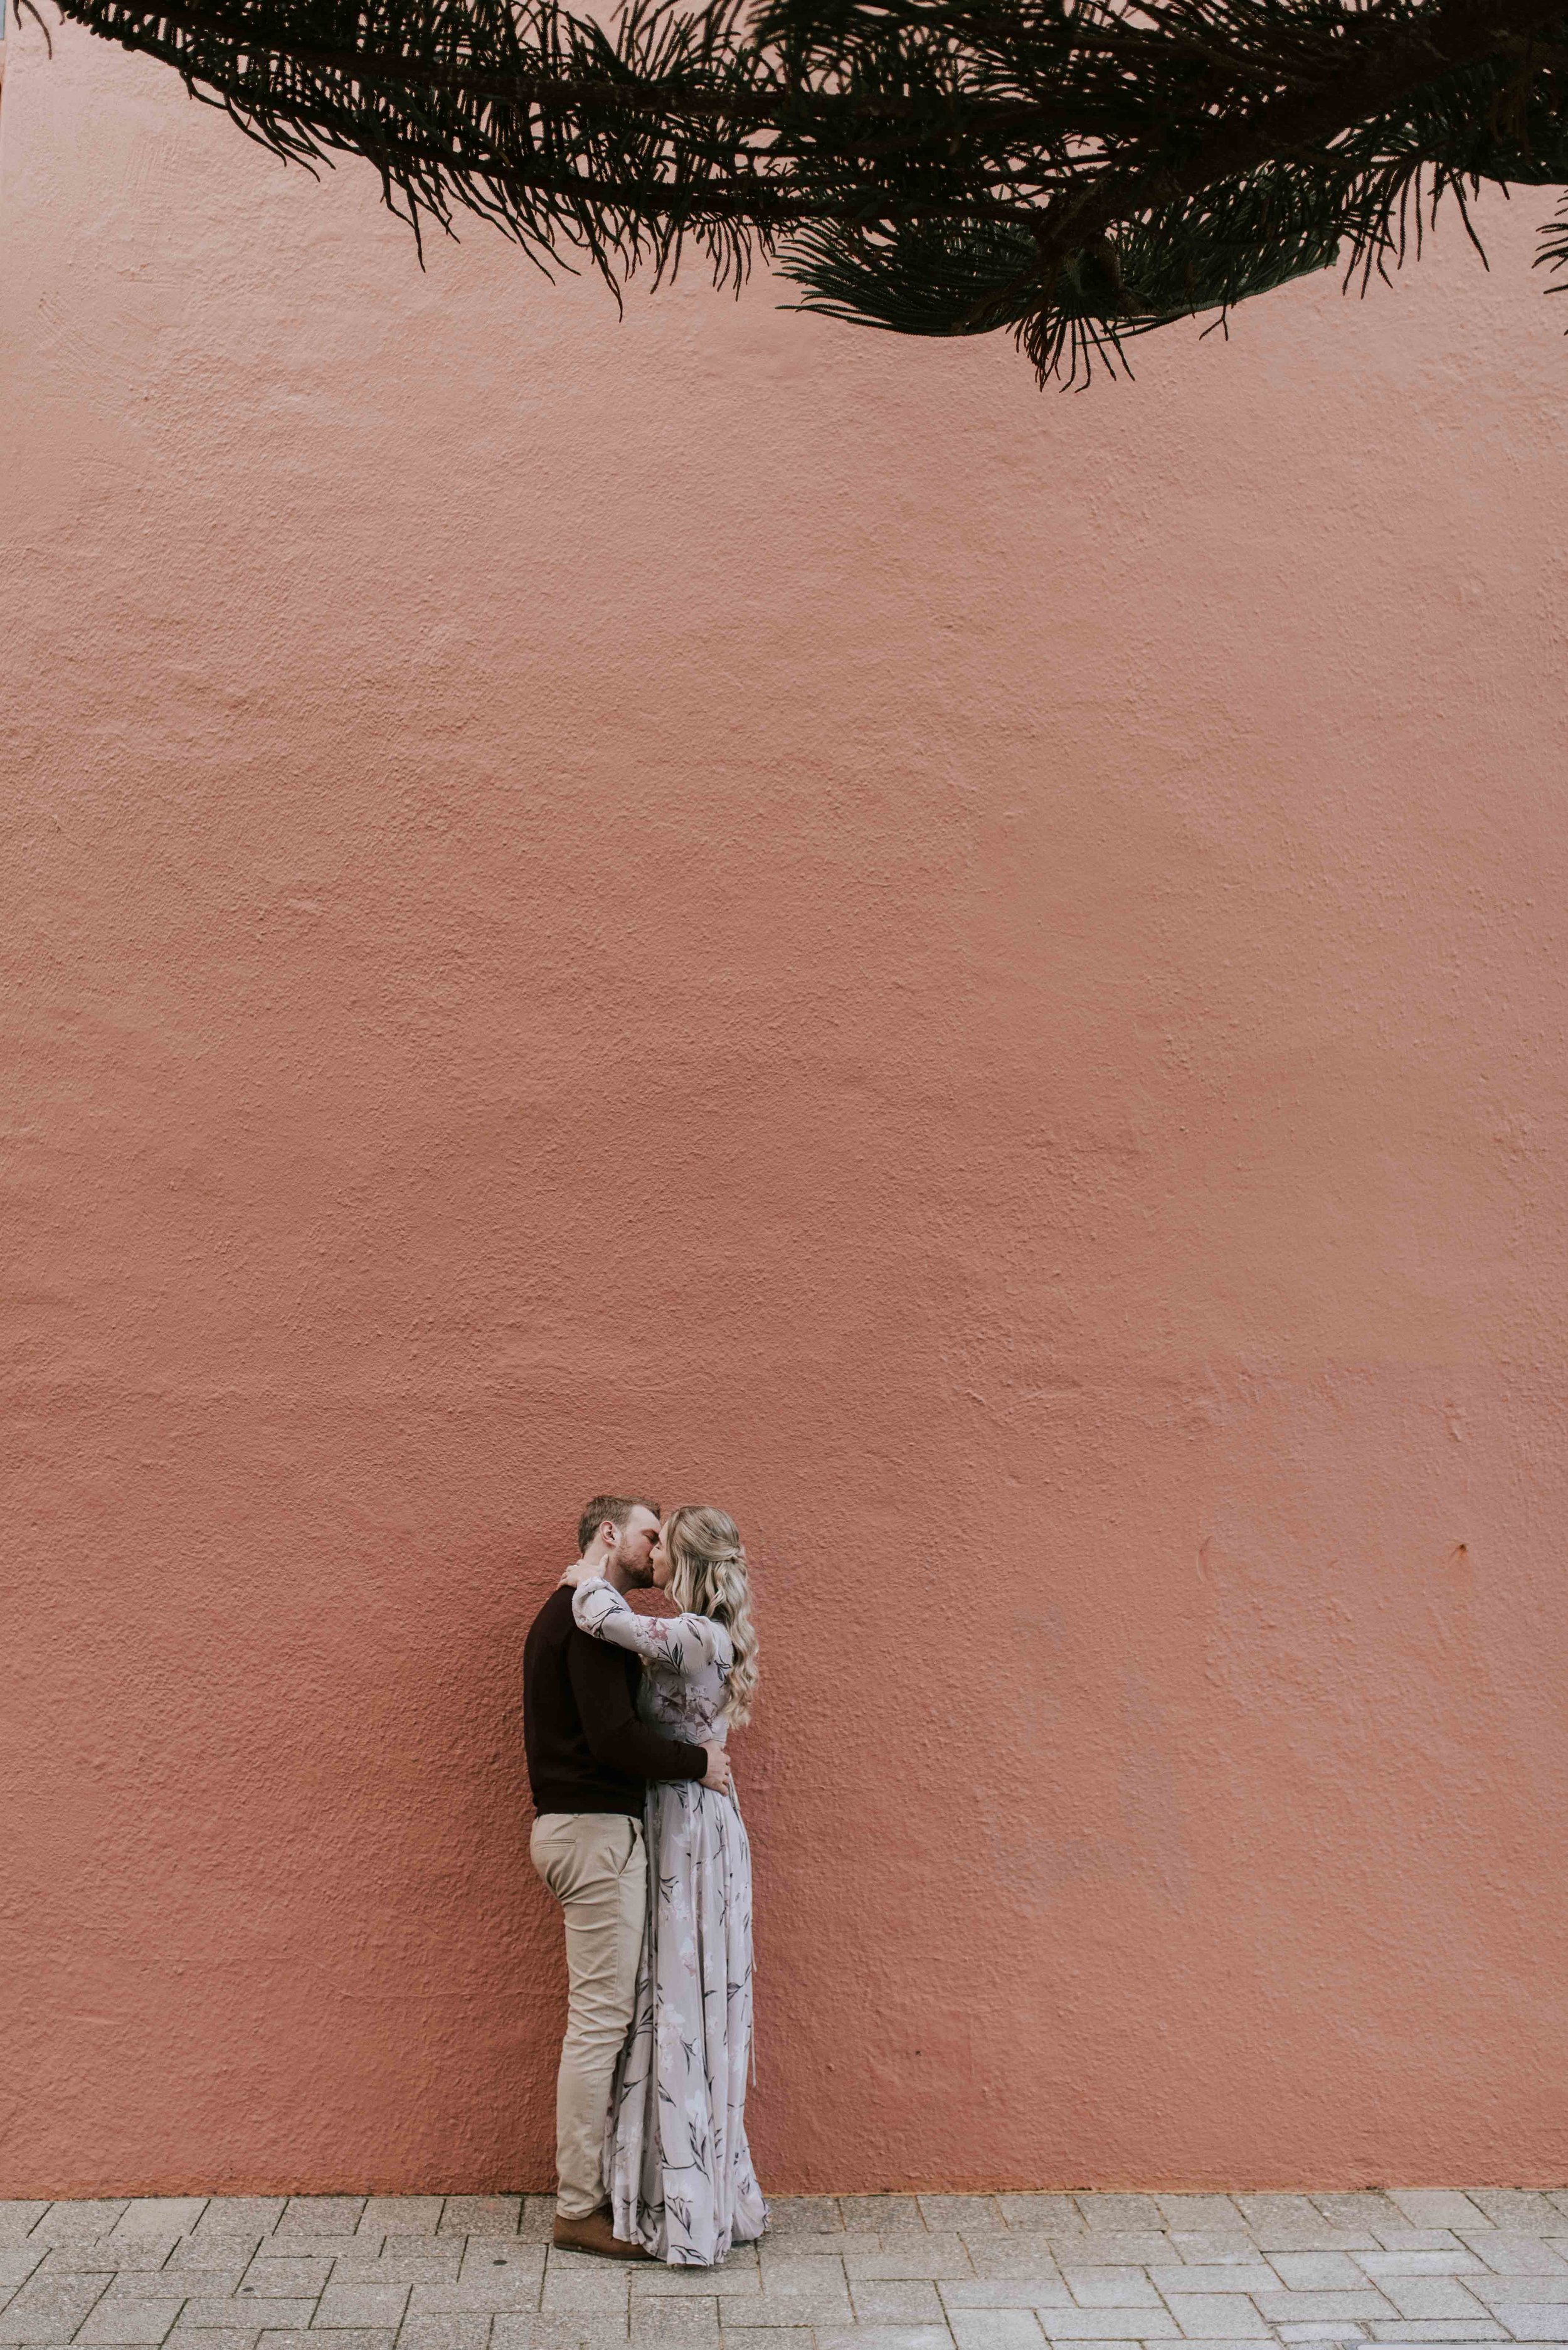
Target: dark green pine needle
[{"x": 1078, "y": 174}]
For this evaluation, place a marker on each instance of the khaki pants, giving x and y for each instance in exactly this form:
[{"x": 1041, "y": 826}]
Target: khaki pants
[{"x": 595, "y": 1865}]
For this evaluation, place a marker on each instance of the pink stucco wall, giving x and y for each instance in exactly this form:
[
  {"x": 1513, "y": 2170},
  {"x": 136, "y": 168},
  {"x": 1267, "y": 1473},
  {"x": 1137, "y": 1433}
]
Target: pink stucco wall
[{"x": 979, "y": 977}]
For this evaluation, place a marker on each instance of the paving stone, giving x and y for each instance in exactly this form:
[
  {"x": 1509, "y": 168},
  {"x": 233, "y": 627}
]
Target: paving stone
[
  {"x": 16, "y": 2218},
  {"x": 206, "y": 2282},
  {"x": 1208, "y": 2246},
  {"x": 50, "y": 2308},
  {"x": 1458, "y": 2262},
  {"x": 1510, "y": 2255},
  {"x": 325, "y": 2215},
  {"x": 1323, "y": 2332},
  {"x": 826, "y": 2305},
  {"x": 240, "y": 2215},
  {"x": 688, "y": 2324},
  {"x": 963, "y": 2215},
  {"x": 1212, "y": 2211},
  {"x": 916, "y": 2255},
  {"x": 797, "y": 2277},
  {"x": 878, "y": 2212},
  {"x": 1319, "y": 2239},
  {"x": 539, "y": 2218},
  {"x": 276, "y": 2280},
  {"x": 566, "y": 2295},
  {"x": 1432, "y": 2296},
  {"x": 996, "y": 2329},
  {"x": 1226, "y": 2278},
  {"x": 1055, "y": 2214},
  {"x": 59, "y": 2260},
  {"x": 775, "y": 2314},
  {"x": 897, "y": 2301},
  {"x": 17, "y": 2263},
  {"x": 1215, "y": 2316},
  {"x": 1526, "y": 2212},
  {"x": 1435, "y": 2207},
  {"x": 1317, "y": 2271},
  {"x": 744, "y": 2337},
  {"x": 212, "y": 2338},
  {"x": 738, "y": 2273},
  {"x": 582, "y": 2331},
  {"x": 1283, "y": 2308},
  {"x": 884, "y": 2337},
  {"x": 288, "y": 2311},
  {"x": 488, "y": 2257},
  {"x": 1256, "y": 2340},
  {"x": 159, "y": 2215},
  {"x": 1005, "y": 2293},
  {"x": 809, "y": 2256},
  {"x": 1541, "y": 2290},
  {"x": 380, "y": 2339},
  {"x": 1277, "y": 2212},
  {"x": 137, "y": 2256},
  {"x": 285, "y": 2238},
  {"x": 408, "y": 2259},
  {"x": 1435, "y": 2330},
  {"x": 482, "y": 2215},
  {"x": 1422, "y": 2239},
  {"x": 1367, "y": 2207},
  {"x": 1109, "y": 2325},
  {"x": 1079, "y": 2343},
  {"x": 471, "y": 2331},
  {"x": 1114, "y": 2248},
  {"x": 357, "y": 2306},
  {"x": 804, "y": 2215},
  {"x": 490, "y": 2289},
  {"x": 79, "y": 2224},
  {"x": 1527, "y": 2321},
  {"x": 1123, "y": 2211},
  {"x": 1021, "y": 2255},
  {"x": 403, "y": 2215},
  {"x": 120, "y": 2318},
  {"x": 204, "y": 2249},
  {"x": 1105, "y": 2288}
]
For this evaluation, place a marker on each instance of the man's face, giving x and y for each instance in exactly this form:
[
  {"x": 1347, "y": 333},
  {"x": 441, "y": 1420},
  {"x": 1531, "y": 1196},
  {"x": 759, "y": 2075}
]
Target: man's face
[{"x": 634, "y": 1547}]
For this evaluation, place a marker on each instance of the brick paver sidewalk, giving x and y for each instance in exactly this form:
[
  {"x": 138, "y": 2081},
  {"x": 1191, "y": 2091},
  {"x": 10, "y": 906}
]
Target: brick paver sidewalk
[{"x": 850, "y": 2272}]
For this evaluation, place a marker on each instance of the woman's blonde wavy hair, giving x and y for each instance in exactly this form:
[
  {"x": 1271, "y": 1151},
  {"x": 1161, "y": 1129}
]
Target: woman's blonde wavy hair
[{"x": 708, "y": 1577}]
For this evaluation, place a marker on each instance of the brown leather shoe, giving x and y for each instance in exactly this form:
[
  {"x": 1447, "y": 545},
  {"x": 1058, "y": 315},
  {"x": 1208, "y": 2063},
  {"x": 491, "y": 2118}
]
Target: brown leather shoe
[{"x": 596, "y": 2234}]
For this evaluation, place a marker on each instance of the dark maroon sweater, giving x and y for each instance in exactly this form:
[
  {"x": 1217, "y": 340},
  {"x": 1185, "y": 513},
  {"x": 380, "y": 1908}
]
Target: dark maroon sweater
[{"x": 588, "y": 1751}]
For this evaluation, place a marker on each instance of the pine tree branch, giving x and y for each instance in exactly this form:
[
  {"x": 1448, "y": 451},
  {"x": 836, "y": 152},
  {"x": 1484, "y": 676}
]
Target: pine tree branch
[{"x": 1074, "y": 169}]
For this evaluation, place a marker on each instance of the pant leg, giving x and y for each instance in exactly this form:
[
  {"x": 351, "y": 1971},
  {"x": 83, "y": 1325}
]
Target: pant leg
[{"x": 595, "y": 1865}]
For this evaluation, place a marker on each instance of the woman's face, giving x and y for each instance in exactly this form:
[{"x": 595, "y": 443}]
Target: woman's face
[{"x": 658, "y": 1565}]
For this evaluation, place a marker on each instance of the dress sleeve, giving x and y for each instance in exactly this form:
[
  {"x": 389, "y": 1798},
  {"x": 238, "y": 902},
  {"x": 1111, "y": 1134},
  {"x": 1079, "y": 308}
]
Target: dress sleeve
[{"x": 686, "y": 1643}]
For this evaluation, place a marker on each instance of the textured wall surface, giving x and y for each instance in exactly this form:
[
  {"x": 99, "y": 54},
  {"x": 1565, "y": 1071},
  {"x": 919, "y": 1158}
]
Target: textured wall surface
[{"x": 978, "y": 977}]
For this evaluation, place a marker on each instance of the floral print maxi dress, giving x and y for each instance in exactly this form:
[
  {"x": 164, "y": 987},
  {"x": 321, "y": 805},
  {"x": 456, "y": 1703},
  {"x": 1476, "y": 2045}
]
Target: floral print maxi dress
[{"x": 680, "y": 2175}]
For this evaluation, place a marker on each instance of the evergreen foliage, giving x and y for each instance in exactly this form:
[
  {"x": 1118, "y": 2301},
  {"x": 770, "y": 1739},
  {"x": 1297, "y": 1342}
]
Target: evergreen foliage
[{"x": 1077, "y": 172}]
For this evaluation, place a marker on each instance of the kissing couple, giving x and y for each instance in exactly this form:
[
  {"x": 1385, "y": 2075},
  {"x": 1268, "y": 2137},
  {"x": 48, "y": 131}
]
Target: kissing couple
[{"x": 638, "y": 1836}]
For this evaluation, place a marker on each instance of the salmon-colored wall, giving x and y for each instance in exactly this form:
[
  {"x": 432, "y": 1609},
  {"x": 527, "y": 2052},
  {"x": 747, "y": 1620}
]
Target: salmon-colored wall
[{"x": 715, "y": 902}]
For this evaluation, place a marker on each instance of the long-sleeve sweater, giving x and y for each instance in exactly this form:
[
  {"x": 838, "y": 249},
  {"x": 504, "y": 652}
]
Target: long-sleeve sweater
[{"x": 586, "y": 1750}]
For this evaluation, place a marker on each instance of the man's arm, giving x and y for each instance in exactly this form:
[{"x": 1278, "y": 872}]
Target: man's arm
[{"x": 614, "y": 1734}]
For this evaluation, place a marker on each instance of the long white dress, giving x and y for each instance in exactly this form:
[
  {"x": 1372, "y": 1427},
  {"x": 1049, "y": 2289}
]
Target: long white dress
[{"x": 680, "y": 2175}]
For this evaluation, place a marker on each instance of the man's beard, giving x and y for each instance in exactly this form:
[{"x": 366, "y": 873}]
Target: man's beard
[{"x": 640, "y": 1577}]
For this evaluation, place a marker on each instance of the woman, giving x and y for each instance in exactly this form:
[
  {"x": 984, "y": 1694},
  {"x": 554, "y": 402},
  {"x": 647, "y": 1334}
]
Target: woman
[{"x": 681, "y": 2182}]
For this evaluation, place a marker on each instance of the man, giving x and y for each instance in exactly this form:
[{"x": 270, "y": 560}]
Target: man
[{"x": 589, "y": 1760}]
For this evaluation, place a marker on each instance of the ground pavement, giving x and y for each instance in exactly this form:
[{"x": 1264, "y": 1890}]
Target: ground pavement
[{"x": 846, "y": 2273}]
